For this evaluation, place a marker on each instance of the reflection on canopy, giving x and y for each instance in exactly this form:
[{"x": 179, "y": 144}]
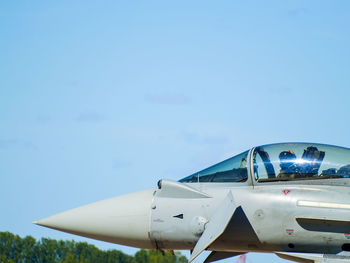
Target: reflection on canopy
[{"x": 297, "y": 161}]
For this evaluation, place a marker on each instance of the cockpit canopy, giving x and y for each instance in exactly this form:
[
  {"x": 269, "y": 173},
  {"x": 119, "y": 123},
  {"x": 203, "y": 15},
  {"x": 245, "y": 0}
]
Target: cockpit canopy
[
  {"x": 230, "y": 170},
  {"x": 300, "y": 161},
  {"x": 280, "y": 162}
]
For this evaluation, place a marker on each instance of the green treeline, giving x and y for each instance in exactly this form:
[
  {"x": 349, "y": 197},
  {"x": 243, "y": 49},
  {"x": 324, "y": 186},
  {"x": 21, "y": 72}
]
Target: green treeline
[{"x": 14, "y": 249}]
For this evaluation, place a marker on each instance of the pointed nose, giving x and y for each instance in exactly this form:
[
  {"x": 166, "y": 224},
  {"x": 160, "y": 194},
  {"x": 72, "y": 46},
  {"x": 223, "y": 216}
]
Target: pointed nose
[{"x": 123, "y": 220}]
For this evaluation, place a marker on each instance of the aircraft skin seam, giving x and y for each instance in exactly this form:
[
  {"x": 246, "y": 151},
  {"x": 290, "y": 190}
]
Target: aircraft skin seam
[{"x": 323, "y": 204}]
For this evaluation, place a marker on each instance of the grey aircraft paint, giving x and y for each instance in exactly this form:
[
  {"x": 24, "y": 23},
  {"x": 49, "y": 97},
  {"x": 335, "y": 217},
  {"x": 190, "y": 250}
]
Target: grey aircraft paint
[{"x": 291, "y": 199}]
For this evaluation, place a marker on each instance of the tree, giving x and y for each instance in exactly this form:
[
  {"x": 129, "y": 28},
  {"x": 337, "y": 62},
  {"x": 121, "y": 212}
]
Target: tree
[{"x": 14, "y": 249}]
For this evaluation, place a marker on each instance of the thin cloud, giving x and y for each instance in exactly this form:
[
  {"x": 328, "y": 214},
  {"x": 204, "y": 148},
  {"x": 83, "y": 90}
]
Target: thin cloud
[
  {"x": 43, "y": 119},
  {"x": 89, "y": 117},
  {"x": 280, "y": 90},
  {"x": 190, "y": 137},
  {"x": 14, "y": 143},
  {"x": 117, "y": 164},
  {"x": 5, "y": 144},
  {"x": 298, "y": 11},
  {"x": 170, "y": 99}
]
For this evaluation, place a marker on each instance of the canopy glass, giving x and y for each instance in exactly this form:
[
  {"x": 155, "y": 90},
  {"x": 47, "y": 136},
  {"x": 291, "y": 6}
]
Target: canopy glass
[
  {"x": 230, "y": 170},
  {"x": 280, "y": 162},
  {"x": 300, "y": 161}
]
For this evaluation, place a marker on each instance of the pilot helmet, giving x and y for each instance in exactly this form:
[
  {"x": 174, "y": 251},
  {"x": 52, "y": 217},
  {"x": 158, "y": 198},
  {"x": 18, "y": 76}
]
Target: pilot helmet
[{"x": 287, "y": 159}]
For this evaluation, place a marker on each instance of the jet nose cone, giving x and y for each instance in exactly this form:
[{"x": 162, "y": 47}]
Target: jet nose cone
[{"x": 123, "y": 220}]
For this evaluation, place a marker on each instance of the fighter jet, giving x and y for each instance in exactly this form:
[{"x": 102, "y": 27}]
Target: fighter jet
[{"x": 291, "y": 199}]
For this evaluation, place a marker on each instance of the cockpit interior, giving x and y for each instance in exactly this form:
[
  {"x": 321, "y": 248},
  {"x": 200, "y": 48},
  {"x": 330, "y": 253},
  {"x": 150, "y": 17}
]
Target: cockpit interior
[{"x": 279, "y": 162}]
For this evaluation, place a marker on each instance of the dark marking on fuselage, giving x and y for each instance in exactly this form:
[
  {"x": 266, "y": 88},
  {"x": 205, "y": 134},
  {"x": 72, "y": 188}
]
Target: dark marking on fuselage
[{"x": 181, "y": 216}]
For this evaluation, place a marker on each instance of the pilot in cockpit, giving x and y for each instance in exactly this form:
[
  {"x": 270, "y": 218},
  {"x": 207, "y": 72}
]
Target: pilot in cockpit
[
  {"x": 287, "y": 163},
  {"x": 307, "y": 166}
]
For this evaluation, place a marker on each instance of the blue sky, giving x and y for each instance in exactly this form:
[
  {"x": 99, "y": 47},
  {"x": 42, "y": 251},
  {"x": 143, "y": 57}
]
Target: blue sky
[{"x": 101, "y": 98}]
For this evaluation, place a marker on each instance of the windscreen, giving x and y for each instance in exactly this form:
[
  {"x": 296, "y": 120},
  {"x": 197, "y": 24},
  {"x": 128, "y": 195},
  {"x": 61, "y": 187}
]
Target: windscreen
[{"x": 230, "y": 170}]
